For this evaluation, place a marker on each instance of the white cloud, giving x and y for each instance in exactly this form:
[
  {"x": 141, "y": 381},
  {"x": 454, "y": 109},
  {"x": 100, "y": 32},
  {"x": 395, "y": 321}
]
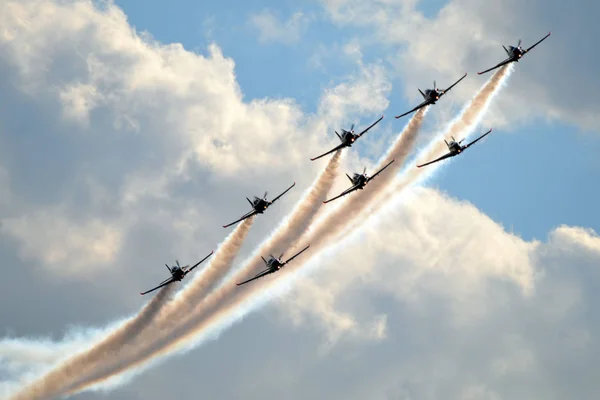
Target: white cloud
[
  {"x": 64, "y": 246},
  {"x": 478, "y": 311},
  {"x": 149, "y": 134},
  {"x": 466, "y": 36},
  {"x": 271, "y": 29}
]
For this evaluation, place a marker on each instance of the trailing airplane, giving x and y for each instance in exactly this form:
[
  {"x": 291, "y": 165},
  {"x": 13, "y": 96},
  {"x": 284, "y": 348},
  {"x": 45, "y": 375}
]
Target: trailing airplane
[
  {"x": 515, "y": 53},
  {"x": 455, "y": 148},
  {"x": 347, "y": 138},
  {"x": 177, "y": 273},
  {"x": 359, "y": 181},
  {"x": 431, "y": 96},
  {"x": 274, "y": 264},
  {"x": 259, "y": 205}
]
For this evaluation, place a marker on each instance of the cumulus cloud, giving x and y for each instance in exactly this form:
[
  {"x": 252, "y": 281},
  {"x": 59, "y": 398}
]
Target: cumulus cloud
[
  {"x": 471, "y": 310},
  {"x": 272, "y": 29},
  {"x": 144, "y": 129},
  {"x": 464, "y": 36}
]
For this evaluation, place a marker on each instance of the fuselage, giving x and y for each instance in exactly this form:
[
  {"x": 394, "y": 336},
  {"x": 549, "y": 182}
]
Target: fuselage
[
  {"x": 454, "y": 147},
  {"x": 260, "y": 205},
  {"x": 274, "y": 264},
  {"x": 348, "y": 137},
  {"x": 432, "y": 95},
  {"x": 360, "y": 180},
  {"x": 178, "y": 273},
  {"x": 515, "y": 52}
]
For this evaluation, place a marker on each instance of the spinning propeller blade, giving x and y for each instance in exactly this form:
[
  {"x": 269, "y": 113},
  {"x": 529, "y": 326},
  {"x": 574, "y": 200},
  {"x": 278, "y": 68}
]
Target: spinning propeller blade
[
  {"x": 519, "y": 43},
  {"x": 265, "y": 195},
  {"x": 177, "y": 261}
]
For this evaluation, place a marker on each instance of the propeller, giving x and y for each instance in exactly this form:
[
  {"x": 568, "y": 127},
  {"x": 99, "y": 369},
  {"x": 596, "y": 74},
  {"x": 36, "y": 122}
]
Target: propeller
[
  {"x": 519, "y": 43},
  {"x": 178, "y": 264},
  {"x": 434, "y": 86},
  {"x": 352, "y": 128},
  {"x": 169, "y": 268},
  {"x": 281, "y": 256},
  {"x": 265, "y": 195}
]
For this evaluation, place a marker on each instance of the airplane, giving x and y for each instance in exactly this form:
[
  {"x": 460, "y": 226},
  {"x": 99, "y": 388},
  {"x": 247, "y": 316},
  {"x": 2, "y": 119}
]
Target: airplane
[
  {"x": 455, "y": 148},
  {"x": 347, "y": 138},
  {"x": 359, "y": 181},
  {"x": 273, "y": 265},
  {"x": 259, "y": 205},
  {"x": 515, "y": 53},
  {"x": 177, "y": 273},
  {"x": 431, "y": 96}
]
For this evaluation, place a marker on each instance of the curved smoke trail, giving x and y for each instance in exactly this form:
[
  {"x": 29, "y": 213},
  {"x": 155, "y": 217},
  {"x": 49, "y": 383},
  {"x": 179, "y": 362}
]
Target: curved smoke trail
[
  {"x": 222, "y": 305},
  {"x": 461, "y": 127},
  {"x": 229, "y": 292},
  {"x": 75, "y": 369},
  {"x": 83, "y": 361},
  {"x": 176, "y": 324}
]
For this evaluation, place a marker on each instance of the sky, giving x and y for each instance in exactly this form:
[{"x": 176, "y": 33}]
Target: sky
[{"x": 131, "y": 131}]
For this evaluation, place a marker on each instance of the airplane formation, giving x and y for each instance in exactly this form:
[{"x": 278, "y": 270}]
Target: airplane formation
[{"x": 359, "y": 181}]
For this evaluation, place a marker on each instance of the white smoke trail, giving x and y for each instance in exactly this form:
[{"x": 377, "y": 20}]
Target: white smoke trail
[
  {"x": 228, "y": 299},
  {"x": 76, "y": 368},
  {"x": 222, "y": 308},
  {"x": 286, "y": 235},
  {"x": 174, "y": 323}
]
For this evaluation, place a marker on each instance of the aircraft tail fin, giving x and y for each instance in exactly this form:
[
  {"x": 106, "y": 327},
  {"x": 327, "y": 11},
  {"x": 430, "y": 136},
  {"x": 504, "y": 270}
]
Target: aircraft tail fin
[
  {"x": 338, "y": 135},
  {"x": 422, "y": 94}
]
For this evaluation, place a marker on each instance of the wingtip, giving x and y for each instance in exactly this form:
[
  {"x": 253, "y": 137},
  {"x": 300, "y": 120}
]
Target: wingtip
[
  {"x": 419, "y": 166},
  {"x": 397, "y": 117},
  {"x": 550, "y": 33},
  {"x": 480, "y": 73}
]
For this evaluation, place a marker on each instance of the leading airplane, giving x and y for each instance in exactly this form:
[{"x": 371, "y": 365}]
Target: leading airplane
[
  {"x": 359, "y": 181},
  {"x": 455, "y": 148},
  {"x": 259, "y": 205},
  {"x": 432, "y": 95},
  {"x": 177, "y": 273},
  {"x": 273, "y": 265},
  {"x": 515, "y": 54},
  {"x": 347, "y": 138}
]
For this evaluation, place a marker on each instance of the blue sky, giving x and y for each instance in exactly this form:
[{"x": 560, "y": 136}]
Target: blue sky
[
  {"x": 548, "y": 163},
  {"x": 119, "y": 154}
]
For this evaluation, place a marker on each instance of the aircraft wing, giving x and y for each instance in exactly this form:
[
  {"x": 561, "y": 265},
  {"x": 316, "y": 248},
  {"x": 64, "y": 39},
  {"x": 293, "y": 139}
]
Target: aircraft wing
[
  {"x": 259, "y": 275},
  {"x": 436, "y": 160},
  {"x": 250, "y": 214},
  {"x": 296, "y": 255},
  {"x": 454, "y": 84},
  {"x": 345, "y": 192},
  {"x": 200, "y": 262},
  {"x": 329, "y": 152},
  {"x": 286, "y": 190},
  {"x": 509, "y": 59},
  {"x": 163, "y": 283},
  {"x": 479, "y": 138},
  {"x": 378, "y": 172},
  {"x": 374, "y": 123},
  {"x": 423, "y": 104},
  {"x": 540, "y": 41}
]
